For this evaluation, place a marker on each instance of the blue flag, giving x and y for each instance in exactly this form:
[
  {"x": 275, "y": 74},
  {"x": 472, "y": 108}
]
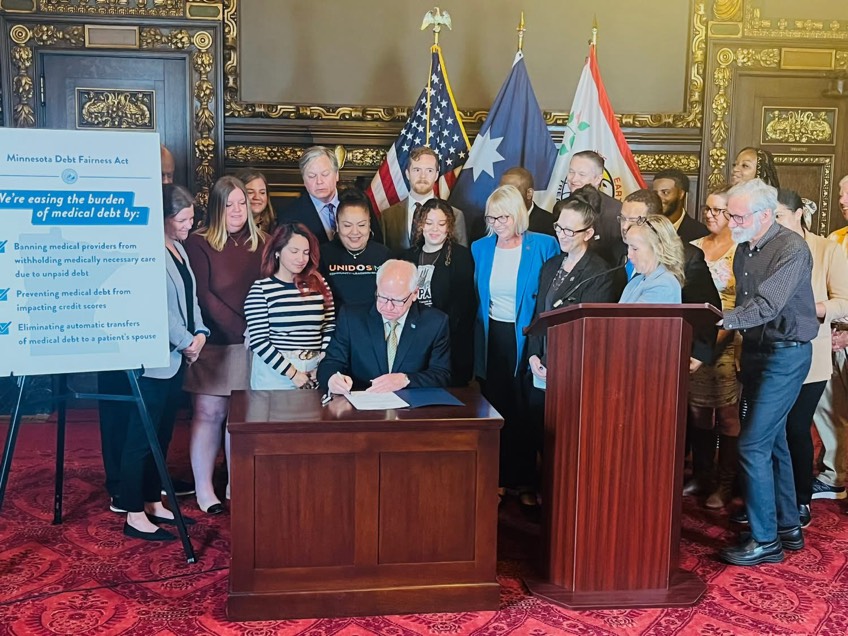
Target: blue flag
[{"x": 514, "y": 134}]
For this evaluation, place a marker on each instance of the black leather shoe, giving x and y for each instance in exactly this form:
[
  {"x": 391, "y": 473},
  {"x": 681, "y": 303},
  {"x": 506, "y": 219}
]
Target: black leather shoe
[
  {"x": 159, "y": 535},
  {"x": 740, "y": 516},
  {"x": 751, "y": 552},
  {"x": 792, "y": 539},
  {"x": 805, "y": 515},
  {"x": 173, "y": 522}
]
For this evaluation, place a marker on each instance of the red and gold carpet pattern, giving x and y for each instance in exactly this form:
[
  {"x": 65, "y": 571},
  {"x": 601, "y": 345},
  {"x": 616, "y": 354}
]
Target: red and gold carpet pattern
[{"x": 85, "y": 577}]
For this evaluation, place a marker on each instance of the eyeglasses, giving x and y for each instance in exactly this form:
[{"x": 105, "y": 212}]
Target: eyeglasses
[
  {"x": 708, "y": 211},
  {"x": 567, "y": 232},
  {"x": 739, "y": 219},
  {"x": 392, "y": 302},
  {"x": 500, "y": 220},
  {"x": 638, "y": 221}
]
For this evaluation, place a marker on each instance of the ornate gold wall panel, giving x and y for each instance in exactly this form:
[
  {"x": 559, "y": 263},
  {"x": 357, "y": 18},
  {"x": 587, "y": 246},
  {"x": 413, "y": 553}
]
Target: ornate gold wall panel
[
  {"x": 810, "y": 127},
  {"x": 117, "y": 108},
  {"x": 826, "y": 164},
  {"x": 196, "y": 42},
  {"x": 234, "y": 107},
  {"x": 726, "y": 62},
  {"x": 757, "y": 26}
]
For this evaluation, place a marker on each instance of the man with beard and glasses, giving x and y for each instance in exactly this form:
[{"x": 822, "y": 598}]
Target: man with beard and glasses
[
  {"x": 776, "y": 315},
  {"x": 672, "y": 186},
  {"x": 396, "y": 221}
]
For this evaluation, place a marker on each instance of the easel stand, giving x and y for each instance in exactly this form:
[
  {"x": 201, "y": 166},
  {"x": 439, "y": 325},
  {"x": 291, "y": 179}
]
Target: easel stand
[{"x": 62, "y": 395}]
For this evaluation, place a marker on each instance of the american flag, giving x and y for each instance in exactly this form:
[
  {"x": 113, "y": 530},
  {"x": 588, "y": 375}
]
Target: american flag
[{"x": 434, "y": 122}]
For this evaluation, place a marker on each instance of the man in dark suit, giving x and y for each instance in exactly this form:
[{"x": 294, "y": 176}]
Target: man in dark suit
[
  {"x": 541, "y": 221},
  {"x": 585, "y": 167},
  {"x": 316, "y": 206},
  {"x": 390, "y": 345},
  {"x": 422, "y": 172},
  {"x": 672, "y": 186}
]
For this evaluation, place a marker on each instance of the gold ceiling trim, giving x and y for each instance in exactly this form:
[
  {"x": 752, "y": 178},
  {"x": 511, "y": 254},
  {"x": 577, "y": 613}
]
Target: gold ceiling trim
[
  {"x": 754, "y": 25},
  {"x": 826, "y": 163},
  {"x": 194, "y": 41},
  {"x": 133, "y": 8},
  {"x": 233, "y": 106}
]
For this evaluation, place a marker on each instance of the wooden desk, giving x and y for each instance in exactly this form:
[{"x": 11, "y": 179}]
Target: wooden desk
[{"x": 338, "y": 512}]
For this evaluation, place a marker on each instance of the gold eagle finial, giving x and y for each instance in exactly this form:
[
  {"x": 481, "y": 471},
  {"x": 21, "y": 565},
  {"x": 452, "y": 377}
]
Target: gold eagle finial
[{"x": 437, "y": 18}]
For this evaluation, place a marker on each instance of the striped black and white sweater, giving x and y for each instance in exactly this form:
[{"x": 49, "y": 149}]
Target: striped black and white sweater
[{"x": 281, "y": 318}]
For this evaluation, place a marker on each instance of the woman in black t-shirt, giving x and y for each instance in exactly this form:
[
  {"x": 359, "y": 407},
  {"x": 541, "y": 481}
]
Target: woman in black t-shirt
[
  {"x": 446, "y": 280},
  {"x": 350, "y": 261}
]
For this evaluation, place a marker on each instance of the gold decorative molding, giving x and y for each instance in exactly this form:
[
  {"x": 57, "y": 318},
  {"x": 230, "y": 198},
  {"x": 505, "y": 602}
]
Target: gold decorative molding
[
  {"x": 195, "y": 42},
  {"x": 814, "y": 127},
  {"x": 198, "y": 9},
  {"x": 250, "y": 155},
  {"x": 754, "y": 25},
  {"x": 116, "y": 108},
  {"x": 692, "y": 117},
  {"x": 826, "y": 163},
  {"x": 650, "y": 162},
  {"x": 728, "y": 10}
]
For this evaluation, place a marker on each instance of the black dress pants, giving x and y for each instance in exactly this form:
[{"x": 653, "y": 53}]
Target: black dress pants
[
  {"x": 140, "y": 480},
  {"x": 505, "y": 391},
  {"x": 799, "y": 438}
]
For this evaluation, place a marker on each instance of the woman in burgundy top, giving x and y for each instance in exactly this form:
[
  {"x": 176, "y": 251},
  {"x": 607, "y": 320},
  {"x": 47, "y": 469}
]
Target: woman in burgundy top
[{"x": 225, "y": 256}]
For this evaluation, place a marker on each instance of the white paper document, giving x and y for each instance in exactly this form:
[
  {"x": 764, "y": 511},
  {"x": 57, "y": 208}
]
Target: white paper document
[{"x": 364, "y": 401}]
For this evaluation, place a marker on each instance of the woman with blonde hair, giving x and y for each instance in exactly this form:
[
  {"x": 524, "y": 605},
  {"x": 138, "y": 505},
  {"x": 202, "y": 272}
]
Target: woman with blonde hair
[
  {"x": 508, "y": 261},
  {"x": 225, "y": 256},
  {"x": 256, "y": 186},
  {"x": 656, "y": 252}
]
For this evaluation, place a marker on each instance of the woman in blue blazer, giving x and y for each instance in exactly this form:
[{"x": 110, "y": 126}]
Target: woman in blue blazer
[
  {"x": 507, "y": 263},
  {"x": 657, "y": 256},
  {"x": 161, "y": 388}
]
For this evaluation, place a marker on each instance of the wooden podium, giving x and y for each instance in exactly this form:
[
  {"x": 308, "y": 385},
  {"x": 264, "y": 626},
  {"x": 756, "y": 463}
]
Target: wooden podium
[
  {"x": 615, "y": 414},
  {"x": 338, "y": 512}
]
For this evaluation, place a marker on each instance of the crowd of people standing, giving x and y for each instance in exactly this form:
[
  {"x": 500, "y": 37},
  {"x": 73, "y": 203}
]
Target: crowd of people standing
[{"x": 264, "y": 300}]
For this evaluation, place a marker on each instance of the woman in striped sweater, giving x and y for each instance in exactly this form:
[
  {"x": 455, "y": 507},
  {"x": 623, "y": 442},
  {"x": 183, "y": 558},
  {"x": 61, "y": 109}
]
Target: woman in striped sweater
[{"x": 290, "y": 313}]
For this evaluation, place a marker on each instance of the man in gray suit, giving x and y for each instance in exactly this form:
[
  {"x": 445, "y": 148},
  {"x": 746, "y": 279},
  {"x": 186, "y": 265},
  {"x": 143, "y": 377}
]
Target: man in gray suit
[{"x": 396, "y": 221}]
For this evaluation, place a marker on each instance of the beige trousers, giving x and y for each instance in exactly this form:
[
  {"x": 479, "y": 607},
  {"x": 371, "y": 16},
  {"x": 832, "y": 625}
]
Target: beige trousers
[{"x": 831, "y": 420}]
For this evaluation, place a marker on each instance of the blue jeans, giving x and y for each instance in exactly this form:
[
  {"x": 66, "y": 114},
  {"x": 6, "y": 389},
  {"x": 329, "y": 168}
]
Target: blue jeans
[{"x": 771, "y": 381}]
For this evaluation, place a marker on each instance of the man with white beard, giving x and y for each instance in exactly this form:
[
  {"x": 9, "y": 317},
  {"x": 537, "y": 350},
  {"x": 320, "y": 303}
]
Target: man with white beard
[{"x": 776, "y": 315}]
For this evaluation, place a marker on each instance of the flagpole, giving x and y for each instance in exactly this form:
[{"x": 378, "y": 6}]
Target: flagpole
[
  {"x": 594, "y": 40},
  {"x": 521, "y": 29}
]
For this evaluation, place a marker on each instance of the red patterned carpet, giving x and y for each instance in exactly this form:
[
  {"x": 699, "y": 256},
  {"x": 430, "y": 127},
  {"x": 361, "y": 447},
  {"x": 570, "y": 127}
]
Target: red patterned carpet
[{"x": 84, "y": 577}]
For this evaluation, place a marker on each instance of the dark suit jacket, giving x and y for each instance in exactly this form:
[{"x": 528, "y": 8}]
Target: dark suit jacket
[
  {"x": 690, "y": 229},
  {"x": 608, "y": 242},
  {"x": 699, "y": 288},
  {"x": 358, "y": 347},
  {"x": 602, "y": 289},
  {"x": 302, "y": 210},
  {"x": 541, "y": 221},
  {"x": 396, "y": 234}
]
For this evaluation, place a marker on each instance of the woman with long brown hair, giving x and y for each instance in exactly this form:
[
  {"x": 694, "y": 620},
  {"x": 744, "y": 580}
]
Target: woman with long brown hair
[
  {"x": 446, "y": 280},
  {"x": 225, "y": 256},
  {"x": 290, "y": 314}
]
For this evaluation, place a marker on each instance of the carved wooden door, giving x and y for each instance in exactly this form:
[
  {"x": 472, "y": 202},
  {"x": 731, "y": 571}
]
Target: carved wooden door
[
  {"x": 805, "y": 131},
  {"x": 112, "y": 91}
]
